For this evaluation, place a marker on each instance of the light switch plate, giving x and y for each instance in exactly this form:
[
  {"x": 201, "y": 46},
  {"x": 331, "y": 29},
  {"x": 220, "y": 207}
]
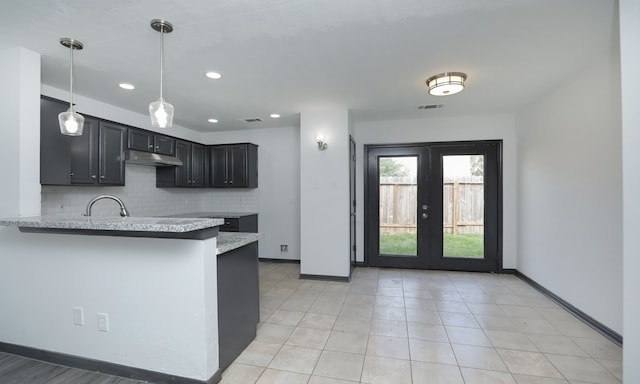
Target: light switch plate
[
  {"x": 78, "y": 316},
  {"x": 103, "y": 322}
]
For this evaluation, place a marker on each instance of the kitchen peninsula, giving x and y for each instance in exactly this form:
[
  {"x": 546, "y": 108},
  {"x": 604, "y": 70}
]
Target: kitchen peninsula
[{"x": 157, "y": 299}]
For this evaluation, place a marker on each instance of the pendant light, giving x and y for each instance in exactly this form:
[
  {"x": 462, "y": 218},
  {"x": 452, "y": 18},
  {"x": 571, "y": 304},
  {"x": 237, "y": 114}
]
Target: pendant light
[
  {"x": 71, "y": 122},
  {"x": 160, "y": 111}
]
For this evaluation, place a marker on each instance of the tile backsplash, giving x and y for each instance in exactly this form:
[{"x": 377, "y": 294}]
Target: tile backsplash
[{"x": 142, "y": 198}]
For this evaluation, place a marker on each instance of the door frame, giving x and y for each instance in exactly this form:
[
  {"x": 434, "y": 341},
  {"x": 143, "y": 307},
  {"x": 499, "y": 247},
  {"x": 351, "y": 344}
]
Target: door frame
[
  {"x": 368, "y": 223},
  {"x": 352, "y": 205}
]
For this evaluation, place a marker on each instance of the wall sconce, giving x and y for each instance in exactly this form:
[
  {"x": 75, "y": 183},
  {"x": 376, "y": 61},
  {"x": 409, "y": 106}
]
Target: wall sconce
[{"x": 322, "y": 142}]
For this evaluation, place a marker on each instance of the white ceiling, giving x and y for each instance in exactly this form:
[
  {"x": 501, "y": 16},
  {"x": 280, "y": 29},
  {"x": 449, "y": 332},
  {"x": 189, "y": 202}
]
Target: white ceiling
[{"x": 287, "y": 56}]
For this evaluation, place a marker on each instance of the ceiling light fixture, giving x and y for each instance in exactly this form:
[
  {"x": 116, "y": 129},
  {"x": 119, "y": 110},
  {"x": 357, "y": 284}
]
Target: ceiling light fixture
[
  {"x": 160, "y": 111},
  {"x": 213, "y": 75},
  {"x": 71, "y": 122},
  {"x": 213, "y": 121},
  {"x": 127, "y": 86},
  {"x": 445, "y": 84},
  {"x": 274, "y": 115}
]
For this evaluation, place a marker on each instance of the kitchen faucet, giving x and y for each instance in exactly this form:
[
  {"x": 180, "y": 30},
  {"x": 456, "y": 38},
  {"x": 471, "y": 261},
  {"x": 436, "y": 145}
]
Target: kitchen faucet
[{"x": 123, "y": 210}]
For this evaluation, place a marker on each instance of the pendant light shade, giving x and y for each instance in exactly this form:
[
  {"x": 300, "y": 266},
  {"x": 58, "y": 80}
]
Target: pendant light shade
[
  {"x": 71, "y": 123},
  {"x": 445, "y": 84},
  {"x": 160, "y": 111}
]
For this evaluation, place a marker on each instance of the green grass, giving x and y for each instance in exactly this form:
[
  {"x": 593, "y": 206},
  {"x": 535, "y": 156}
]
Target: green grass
[{"x": 470, "y": 246}]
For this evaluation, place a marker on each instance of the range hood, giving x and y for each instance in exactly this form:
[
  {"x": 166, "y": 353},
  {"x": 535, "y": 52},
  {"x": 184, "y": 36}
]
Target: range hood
[{"x": 151, "y": 159}]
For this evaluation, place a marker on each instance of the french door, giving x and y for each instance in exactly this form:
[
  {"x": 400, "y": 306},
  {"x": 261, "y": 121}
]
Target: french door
[{"x": 433, "y": 206}]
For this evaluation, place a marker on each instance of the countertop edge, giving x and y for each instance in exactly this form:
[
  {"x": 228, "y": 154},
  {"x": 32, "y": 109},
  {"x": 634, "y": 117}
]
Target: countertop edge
[
  {"x": 127, "y": 224},
  {"x": 228, "y": 241}
]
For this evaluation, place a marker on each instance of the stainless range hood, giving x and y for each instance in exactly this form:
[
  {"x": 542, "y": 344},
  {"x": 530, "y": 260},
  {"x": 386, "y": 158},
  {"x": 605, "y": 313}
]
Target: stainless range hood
[{"x": 151, "y": 159}]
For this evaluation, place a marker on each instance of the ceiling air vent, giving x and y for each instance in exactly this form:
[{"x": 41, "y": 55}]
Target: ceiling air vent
[
  {"x": 430, "y": 106},
  {"x": 252, "y": 120}
]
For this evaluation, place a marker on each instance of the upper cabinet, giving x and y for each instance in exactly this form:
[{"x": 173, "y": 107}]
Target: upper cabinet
[
  {"x": 97, "y": 157},
  {"x": 55, "y": 149},
  {"x": 147, "y": 141},
  {"x": 193, "y": 171},
  {"x": 234, "y": 166},
  {"x": 94, "y": 158}
]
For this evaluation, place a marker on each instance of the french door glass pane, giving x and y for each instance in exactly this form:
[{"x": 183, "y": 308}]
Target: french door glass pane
[
  {"x": 463, "y": 206},
  {"x": 398, "y": 205}
]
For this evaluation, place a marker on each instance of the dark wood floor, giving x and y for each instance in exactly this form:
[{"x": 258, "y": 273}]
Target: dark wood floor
[{"x": 19, "y": 370}]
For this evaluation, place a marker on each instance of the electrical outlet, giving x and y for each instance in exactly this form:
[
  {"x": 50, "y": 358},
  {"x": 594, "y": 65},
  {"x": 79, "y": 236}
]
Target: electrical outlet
[
  {"x": 284, "y": 248},
  {"x": 103, "y": 322},
  {"x": 78, "y": 316}
]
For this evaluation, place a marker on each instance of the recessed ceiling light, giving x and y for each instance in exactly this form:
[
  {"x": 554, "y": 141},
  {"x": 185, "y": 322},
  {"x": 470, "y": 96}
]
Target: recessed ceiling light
[
  {"x": 126, "y": 86},
  {"x": 274, "y": 115},
  {"x": 212, "y": 120},
  {"x": 213, "y": 75}
]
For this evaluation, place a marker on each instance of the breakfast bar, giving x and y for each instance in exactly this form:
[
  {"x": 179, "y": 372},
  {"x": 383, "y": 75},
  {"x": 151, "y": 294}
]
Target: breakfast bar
[{"x": 157, "y": 299}]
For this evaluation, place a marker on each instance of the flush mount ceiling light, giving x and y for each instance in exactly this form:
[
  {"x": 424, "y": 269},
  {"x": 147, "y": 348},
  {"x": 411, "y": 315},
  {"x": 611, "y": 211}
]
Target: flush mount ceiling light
[
  {"x": 274, "y": 115},
  {"x": 445, "y": 84},
  {"x": 213, "y": 121},
  {"x": 160, "y": 111},
  {"x": 71, "y": 122}
]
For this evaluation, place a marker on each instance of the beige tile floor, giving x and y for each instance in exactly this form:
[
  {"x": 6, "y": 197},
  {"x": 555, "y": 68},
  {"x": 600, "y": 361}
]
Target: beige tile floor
[{"x": 403, "y": 326}]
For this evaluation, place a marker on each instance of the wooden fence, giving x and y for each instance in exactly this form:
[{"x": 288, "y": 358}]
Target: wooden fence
[{"x": 462, "y": 201}]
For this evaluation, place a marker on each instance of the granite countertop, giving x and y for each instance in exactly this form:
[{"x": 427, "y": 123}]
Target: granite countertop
[
  {"x": 228, "y": 241},
  {"x": 133, "y": 224},
  {"x": 224, "y": 215}
]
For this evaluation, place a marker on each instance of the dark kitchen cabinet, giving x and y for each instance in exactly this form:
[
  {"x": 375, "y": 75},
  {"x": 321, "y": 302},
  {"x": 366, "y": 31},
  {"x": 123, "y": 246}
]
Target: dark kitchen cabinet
[
  {"x": 234, "y": 166},
  {"x": 147, "y": 141},
  {"x": 244, "y": 223},
  {"x": 191, "y": 174},
  {"x": 55, "y": 148},
  {"x": 97, "y": 157},
  {"x": 238, "y": 301},
  {"x": 94, "y": 158}
]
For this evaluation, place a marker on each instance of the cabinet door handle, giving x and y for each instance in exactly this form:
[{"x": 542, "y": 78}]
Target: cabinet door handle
[
  {"x": 231, "y": 182},
  {"x": 71, "y": 174},
  {"x": 102, "y": 177},
  {"x": 150, "y": 146},
  {"x": 93, "y": 177},
  {"x": 157, "y": 147}
]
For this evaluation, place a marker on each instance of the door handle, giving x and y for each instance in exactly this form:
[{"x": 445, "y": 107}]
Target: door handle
[{"x": 425, "y": 211}]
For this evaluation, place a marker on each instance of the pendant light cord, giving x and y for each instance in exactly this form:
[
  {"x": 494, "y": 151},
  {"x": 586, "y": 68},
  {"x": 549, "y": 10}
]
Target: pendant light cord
[
  {"x": 161, "y": 62},
  {"x": 71, "y": 78}
]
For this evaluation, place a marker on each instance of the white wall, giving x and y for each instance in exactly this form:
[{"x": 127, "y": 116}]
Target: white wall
[
  {"x": 277, "y": 198},
  {"x": 324, "y": 194},
  {"x": 491, "y": 127},
  {"x": 160, "y": 295},
  {"x": 20, "y": 135},
  {"x": 630, "y": 62},
  {"x": 570, "y": 192}
]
